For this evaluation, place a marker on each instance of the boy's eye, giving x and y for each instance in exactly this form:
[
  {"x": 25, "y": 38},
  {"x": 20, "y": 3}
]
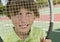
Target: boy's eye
[
  {"x": 15, "y": 14},
  {"x": 20, "y": 13},
  {"x": 28, "y": 13}
]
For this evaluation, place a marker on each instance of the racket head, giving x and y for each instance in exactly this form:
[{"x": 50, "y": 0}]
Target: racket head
[{"x": 13, "y": 6}]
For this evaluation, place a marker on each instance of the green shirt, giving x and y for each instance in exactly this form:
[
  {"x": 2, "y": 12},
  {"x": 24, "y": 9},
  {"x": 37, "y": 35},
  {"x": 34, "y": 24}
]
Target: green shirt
[{"x": 34, "y": 36}]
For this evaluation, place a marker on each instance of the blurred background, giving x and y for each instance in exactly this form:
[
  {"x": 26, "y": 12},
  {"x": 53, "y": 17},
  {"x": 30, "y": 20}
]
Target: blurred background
[{"x": 42, "y": 22}]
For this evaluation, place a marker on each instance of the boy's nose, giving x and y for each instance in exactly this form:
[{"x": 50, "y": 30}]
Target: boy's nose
[{"x": 24, "y": 19}]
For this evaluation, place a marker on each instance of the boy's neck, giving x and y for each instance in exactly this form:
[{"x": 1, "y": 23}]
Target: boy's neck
[{"x": 22, "y": 35}]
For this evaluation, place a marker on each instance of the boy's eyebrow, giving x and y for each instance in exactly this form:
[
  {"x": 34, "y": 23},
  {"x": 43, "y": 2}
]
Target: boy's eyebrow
[{"x": 28, "y": 13}]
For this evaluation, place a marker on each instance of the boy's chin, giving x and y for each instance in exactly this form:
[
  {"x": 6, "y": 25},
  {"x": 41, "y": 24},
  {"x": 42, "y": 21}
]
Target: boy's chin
[{"x": 24, "y": 31}]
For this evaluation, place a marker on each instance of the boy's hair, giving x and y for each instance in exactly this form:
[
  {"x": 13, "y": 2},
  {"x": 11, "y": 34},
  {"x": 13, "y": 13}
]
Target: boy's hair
[{"x": 13, "y": 6}]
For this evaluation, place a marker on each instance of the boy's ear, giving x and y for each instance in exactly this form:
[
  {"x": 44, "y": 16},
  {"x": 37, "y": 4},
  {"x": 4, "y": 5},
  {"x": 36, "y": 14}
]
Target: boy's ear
[
  {"x": 9, "y": 16},
  {"x": 37, "y": 18},
  {"x": 34, "y": 17}
]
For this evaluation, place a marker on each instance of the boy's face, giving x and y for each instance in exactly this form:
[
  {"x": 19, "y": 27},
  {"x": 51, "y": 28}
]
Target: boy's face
[{"x": 23, "y": 20}]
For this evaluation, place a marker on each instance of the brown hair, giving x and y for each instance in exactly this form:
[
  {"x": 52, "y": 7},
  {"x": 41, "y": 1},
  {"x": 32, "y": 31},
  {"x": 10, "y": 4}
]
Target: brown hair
[{"x": 14, "y": 6}]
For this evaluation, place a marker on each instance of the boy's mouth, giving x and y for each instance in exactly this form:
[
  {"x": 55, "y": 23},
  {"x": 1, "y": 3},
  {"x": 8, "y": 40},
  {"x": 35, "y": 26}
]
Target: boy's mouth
[{"x": 24, "y": 26}]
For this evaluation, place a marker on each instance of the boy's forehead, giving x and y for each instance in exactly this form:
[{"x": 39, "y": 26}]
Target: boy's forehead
[{"x": 24, "y": 9}]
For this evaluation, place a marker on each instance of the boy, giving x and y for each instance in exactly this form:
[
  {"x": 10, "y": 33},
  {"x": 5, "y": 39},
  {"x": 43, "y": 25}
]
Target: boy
[{"x": 23, "y": 13}]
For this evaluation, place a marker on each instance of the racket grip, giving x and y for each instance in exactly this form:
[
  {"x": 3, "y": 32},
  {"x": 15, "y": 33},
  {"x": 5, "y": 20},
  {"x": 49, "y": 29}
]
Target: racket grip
[
  {"x": 1, "y": 39},
  {"x": 49, "y": 30}
]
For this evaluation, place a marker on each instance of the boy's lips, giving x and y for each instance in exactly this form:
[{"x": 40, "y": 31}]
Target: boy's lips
[{"x": 23, "y": 26}]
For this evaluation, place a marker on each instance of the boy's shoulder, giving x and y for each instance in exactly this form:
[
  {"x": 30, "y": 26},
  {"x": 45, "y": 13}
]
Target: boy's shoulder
[
  {"x": 38, "y": 31},
  {"x": 11, "y": 37}
]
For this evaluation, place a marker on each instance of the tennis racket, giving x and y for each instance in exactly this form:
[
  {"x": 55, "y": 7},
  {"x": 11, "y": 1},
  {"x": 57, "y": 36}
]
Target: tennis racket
[
  {"x": 13, "y": 9},
  {"x": 51, "y": 19}
]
